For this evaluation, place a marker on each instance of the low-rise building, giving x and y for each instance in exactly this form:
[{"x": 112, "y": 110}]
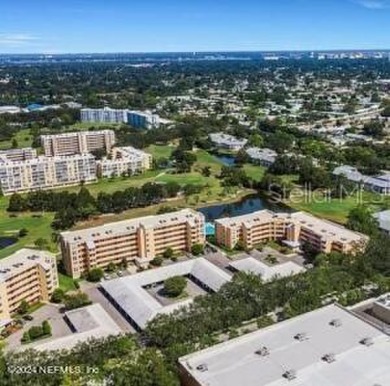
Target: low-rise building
[
  {"x": 27, "y": 275},
  {"x": 381, "y": 308},
  {"x": 124, "y": 160},
  {"x": 264, "y": 157},
  {"x": 293, "y": 229},
  {"x": 80, "y": 142},
  {"x": 138, "y": 240},
  {"x": 327, "y": 347},
  {"x": 45, "y": 173},
  {"x": 131, "y": 297},
  {"x": 90, "y": 322},
  {"x": 227, "y": 141},
  {"x": 383, "y": 219}
]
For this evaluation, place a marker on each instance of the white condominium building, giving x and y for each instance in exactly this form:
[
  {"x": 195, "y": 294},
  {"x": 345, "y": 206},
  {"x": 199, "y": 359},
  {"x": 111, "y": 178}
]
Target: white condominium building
[
  {"x": 124, "y": 160},
  {"x": 139, "y": 240},
  {"x": 18, "y": 154},
  {"x": 45, "y": 172},
  {"x": 77, "y": 142},
  {"x": 227, "y": 141},
  {"x": 105, "y": 114},
  {"x": 27, "y": 275}
]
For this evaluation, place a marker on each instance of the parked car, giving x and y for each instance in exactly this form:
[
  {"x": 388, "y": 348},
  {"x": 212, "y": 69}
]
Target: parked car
[{"x": 28, "y": 317}]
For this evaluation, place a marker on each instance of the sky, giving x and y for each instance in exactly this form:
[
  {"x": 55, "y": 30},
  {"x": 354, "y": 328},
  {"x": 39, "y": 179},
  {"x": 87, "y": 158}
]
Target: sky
[{"x": 86, "y": 26}]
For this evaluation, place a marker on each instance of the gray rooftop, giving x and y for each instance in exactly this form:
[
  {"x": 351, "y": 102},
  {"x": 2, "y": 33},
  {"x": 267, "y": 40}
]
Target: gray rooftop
[
  {"x": 383, "y": 219},
  {"x": 267, "y": 272},
  {"x": 326, "y": 347},
  {"x": 89, "y": 322},
  {"x": 140, "y": 306}
]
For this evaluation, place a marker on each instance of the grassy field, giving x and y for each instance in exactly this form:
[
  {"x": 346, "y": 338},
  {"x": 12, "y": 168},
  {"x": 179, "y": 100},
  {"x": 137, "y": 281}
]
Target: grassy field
[
  {"x": 160, "y": 151},
  {"x": 23, "y": 138},
  {"x": 333, "y": 209},
  {"x": 66, "y": 283}
]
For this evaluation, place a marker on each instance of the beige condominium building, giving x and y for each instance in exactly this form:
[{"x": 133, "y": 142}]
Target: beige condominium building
[
  {"x": 124, "y": 160},
  {"x": 28, "y": 275},
  {"x": 45, "y": 172},
  {"x": 293, "y": 229},
  {"x": 77, "y": 143},
  {"x": 138, "y": 240}
]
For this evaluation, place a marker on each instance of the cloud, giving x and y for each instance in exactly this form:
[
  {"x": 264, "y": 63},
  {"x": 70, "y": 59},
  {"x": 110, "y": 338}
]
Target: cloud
[
  {"x": 17, "y": 39},
  {"x": 374, "y": 4}
]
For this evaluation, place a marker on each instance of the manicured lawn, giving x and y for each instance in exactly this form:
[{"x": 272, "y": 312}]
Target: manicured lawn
[
  {"x": 159, "y": 151},
  {"x": 254, "y": 171},
  {"x": 23, "y": 138},
  {"x": 334, "y": 209},
  {"x": 66, "y": 282}
]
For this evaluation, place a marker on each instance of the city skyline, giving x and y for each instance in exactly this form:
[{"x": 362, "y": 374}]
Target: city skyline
[{"x": 93, "y": 27}]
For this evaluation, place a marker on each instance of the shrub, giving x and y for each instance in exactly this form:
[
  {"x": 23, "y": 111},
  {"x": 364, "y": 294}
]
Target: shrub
[
  {"x": 168, "y": 253},
  {"x": 174, "y": 286},
  {"x": 58, "y": 295},
  {"x": 35, "y": 332},
  {"x": 197, "y": 249},
  {"x": 46, "y": 328},
  {"x": 23, "y": 307},
  {"x": 157, "y": 261},
  {"x": 26, "y": 337},
  {"x": 77, "y": 300},
  {"x": 23, "y": 232},
  {"x": 95, "y": 275},
  {"x": 111, "y": 267}
]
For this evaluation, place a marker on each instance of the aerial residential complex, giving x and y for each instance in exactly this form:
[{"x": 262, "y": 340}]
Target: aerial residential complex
[
  {"x": 124, "y": 160},
  {"x": 27, "y": 275},
  {"x": 327, "y": 347},
  {"x": 137, "y": 119},
  {"x": 45, "y": 172},
  {"x": 226, "y": 141},
  {"x": 293, "y": 229},
  {"x": 77, "y": 142},
  {"x": 138, "y": 240}
]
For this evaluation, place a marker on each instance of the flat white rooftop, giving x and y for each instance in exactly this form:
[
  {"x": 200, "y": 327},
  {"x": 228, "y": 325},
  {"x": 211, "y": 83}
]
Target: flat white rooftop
[
  {"x": 267, "y": 272},
  {"x": 140, "y": 306},
  {"x": 88, "y": 322},
  {"x": 300, "y": 345}
]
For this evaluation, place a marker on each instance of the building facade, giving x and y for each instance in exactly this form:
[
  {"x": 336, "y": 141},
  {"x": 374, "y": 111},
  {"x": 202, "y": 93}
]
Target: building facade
[
  {"x": 105, "y": 114},
  {"x": 46, "y": 173},
  {"x": 77, "y": 143},
  {"x": 136, "y": 240},
  {"x": 124, "y": 160},
  {"x": 18, "y": 154},
  {"x": 27, "y": 275},
  {"x": 226, "y": 141},
  {"x": 293, "y": 229},
  {"x": 143, "y": 120}
]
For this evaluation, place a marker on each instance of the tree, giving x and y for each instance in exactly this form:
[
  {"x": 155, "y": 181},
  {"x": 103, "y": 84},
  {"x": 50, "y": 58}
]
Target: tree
[
  {"x": 14, "y": 144},
  {"x": 157, "y": 261},
  {"x": 95, "y": 275},
  {"x": 23, "y": 232},
  {"x": 206, "y": 171},
  {"x": 46, "y": 328},
  {"x": 111, "y": 267},
  {"x": 58, "y": 295},
  {"x": 197, "y": 249},
  {"x": 168, "y": 253},
  {"x": 80, "y": 299},
  {"x": 41, "y": 243},
  {"x": 23, "y": 307},
  {"x": 361, "y": 219},
  {"x": 17, "y": 203},
  {"x": 174, "y": 286}
]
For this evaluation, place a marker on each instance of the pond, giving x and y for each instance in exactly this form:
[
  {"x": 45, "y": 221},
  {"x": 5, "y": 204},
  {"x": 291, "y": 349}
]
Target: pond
[
  {"x": 227, "y": 160},
  {"x": 7, "y": 241},
  {"x": 247, "y": 205}
]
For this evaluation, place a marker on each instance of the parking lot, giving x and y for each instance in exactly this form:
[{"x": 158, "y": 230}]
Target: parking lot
[{"x": 50, "y": 312}]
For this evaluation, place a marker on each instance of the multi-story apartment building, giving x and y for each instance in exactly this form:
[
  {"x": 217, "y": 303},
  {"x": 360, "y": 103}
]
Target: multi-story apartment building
[
  {"x": 138, "y": 240},
  {"x": 293, "y": 229},
  {"x": 143, "y": 120},
  {"x": 106, "y": 114},
  {"x": 27, "y": 275},
  {"x": 45, "y": 173},
  {"x": 18, "y": 154},
  {"x": 77, "y": 143},
  {"x": 124, "y": 160}
]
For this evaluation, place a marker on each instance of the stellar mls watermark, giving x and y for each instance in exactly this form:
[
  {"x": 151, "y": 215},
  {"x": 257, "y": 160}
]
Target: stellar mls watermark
[
  {"x": 305, "y": 194},
  {"x": 53, "y": 369}
]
